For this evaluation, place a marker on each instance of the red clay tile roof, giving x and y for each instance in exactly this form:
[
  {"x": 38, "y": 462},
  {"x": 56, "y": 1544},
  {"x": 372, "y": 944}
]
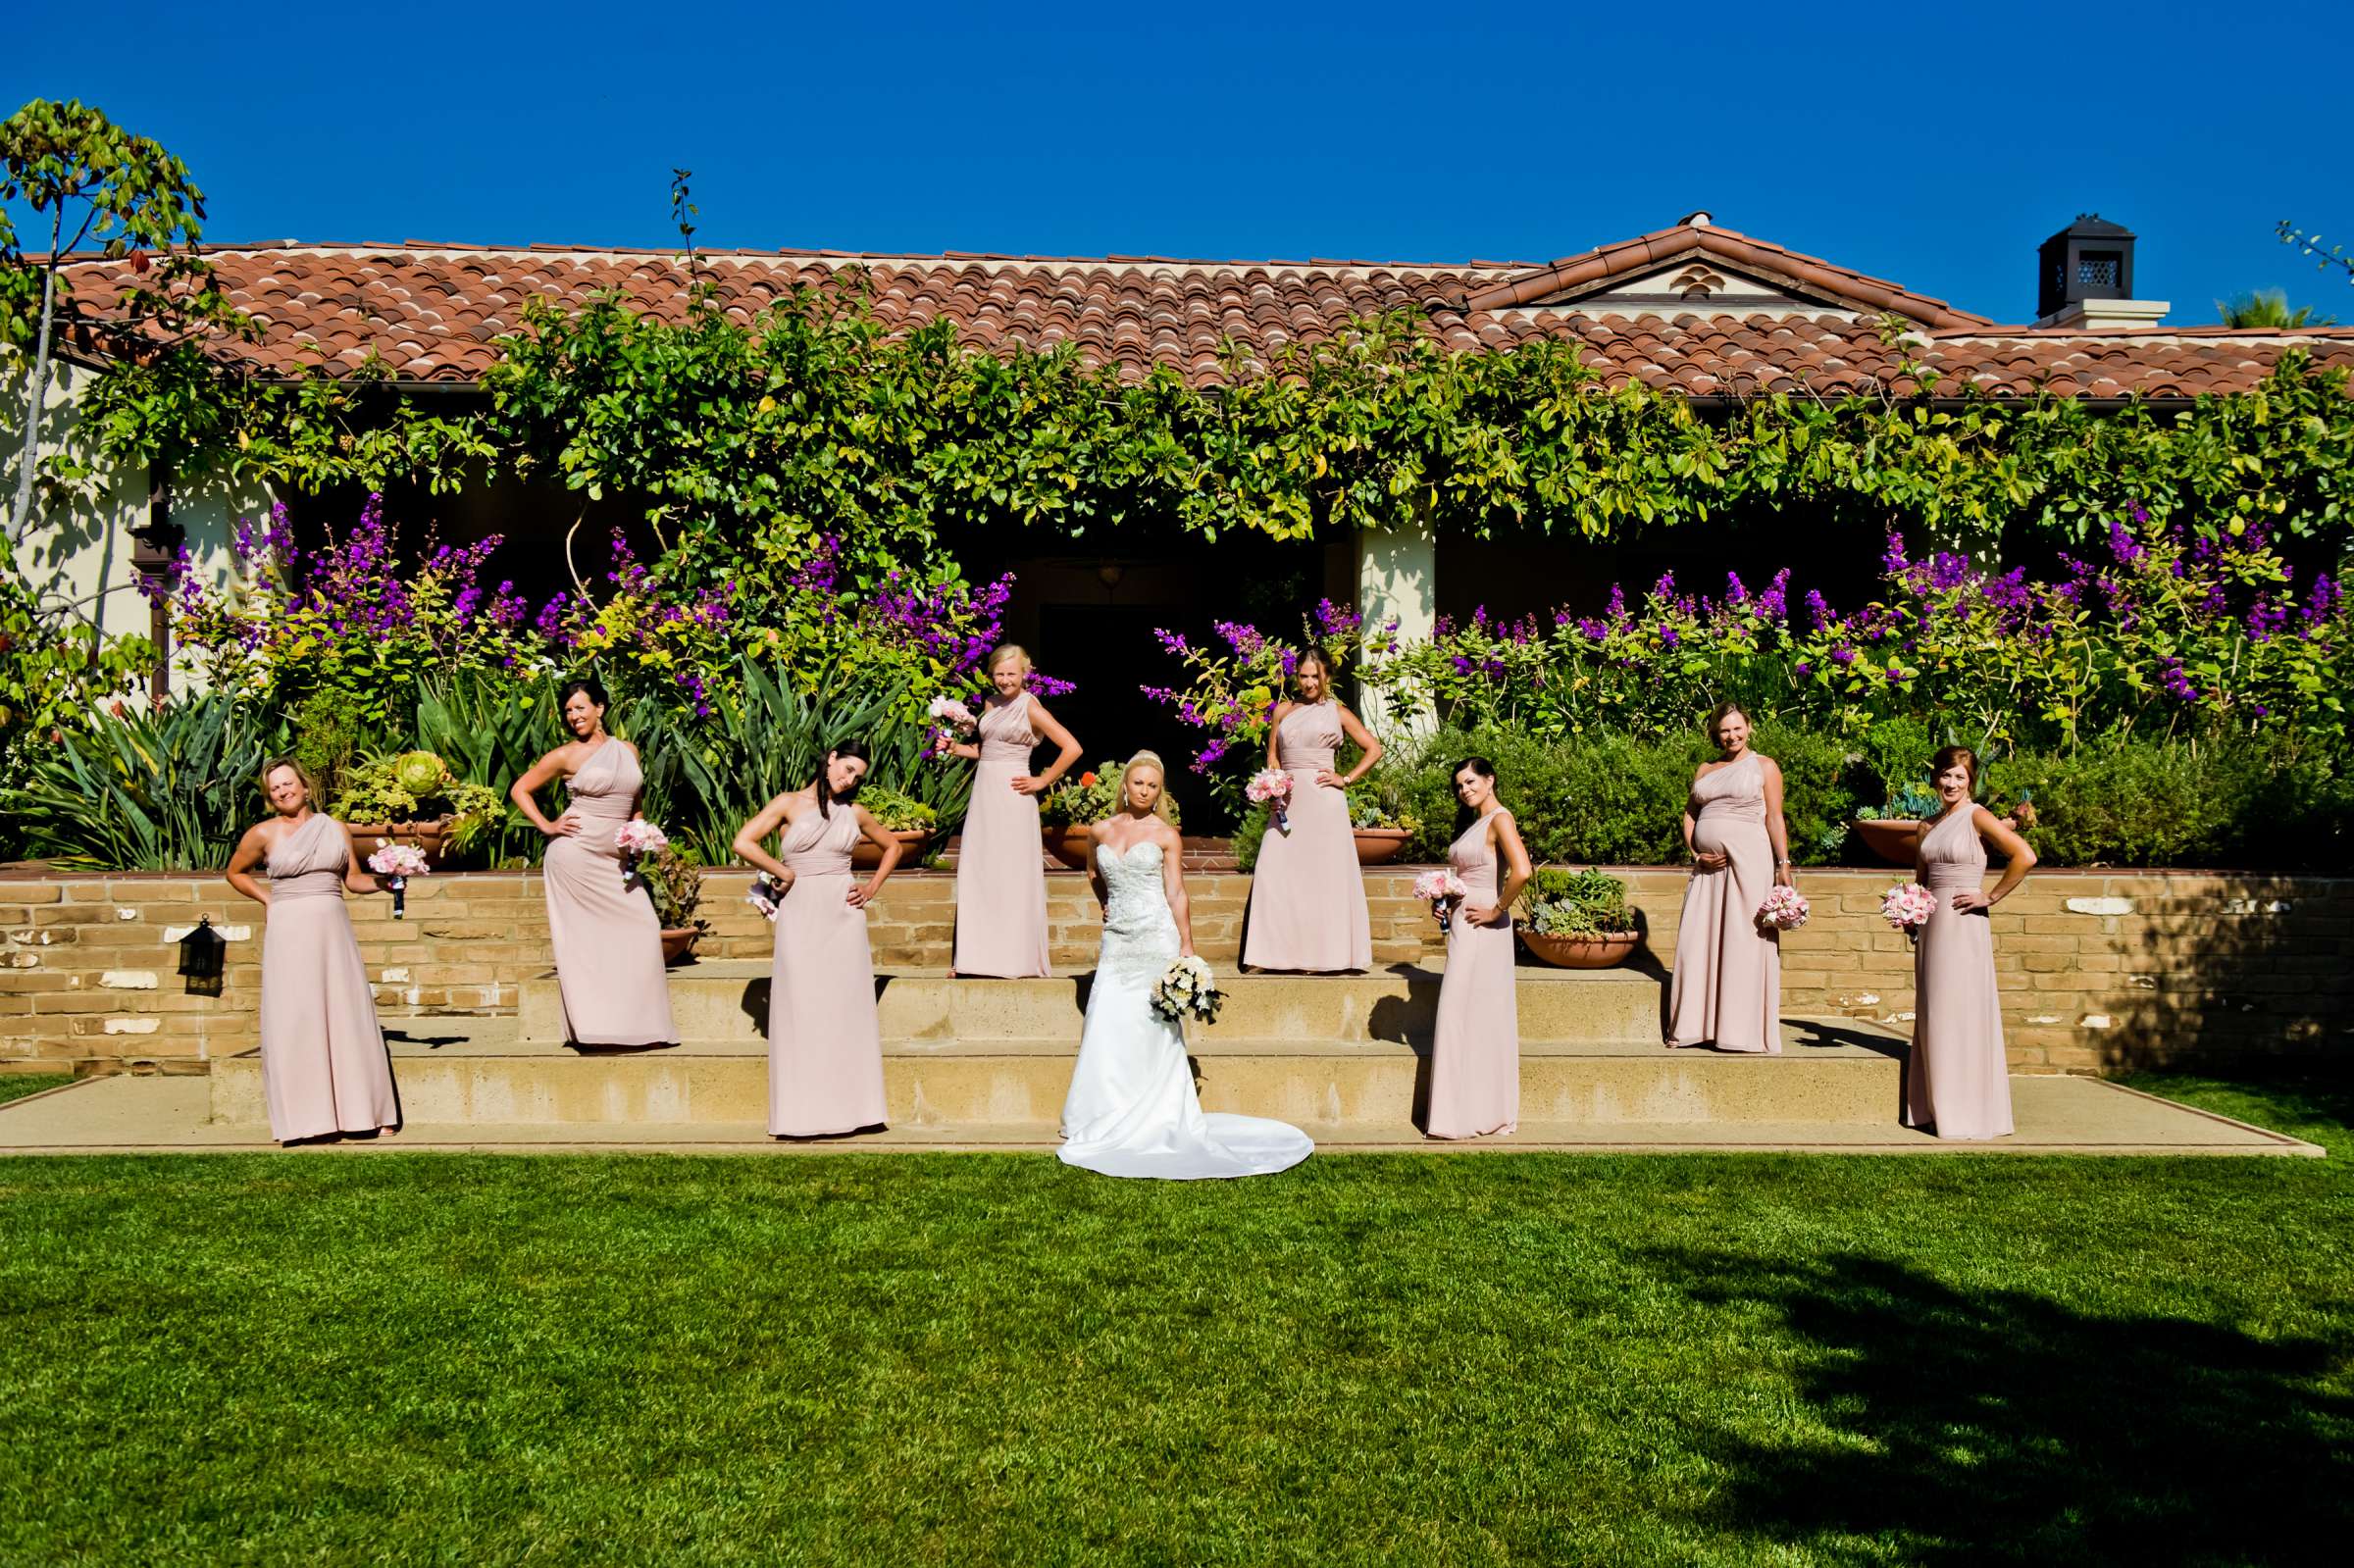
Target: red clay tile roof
[{"x": 433, "y": 313}]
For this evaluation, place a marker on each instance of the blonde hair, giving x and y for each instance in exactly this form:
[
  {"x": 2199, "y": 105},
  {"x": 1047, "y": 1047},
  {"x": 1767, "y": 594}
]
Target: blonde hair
[
  {"x": 1147, "y": 759},
  {"x": 309, "y": 783},
  {"x": 1003, "y": 651}
]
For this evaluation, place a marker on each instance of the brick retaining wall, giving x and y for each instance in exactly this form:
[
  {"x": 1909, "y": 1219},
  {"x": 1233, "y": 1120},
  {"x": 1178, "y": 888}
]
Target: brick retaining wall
[{"x": 2098, "y": 971}]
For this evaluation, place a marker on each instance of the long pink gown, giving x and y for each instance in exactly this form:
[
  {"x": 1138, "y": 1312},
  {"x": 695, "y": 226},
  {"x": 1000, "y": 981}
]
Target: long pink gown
[
  {"x": 1307, "y": 894},
  {"x": 825, "y": 1043},
  {"x": 1956, "y": 1081},
  {"x": 1000, "y": 873},
  {"x": 607, "y": 938},
  {"x": 323, "y": 1067},
  {"x": 1727, "y": 990},
  {"x": 1475, "y": 1059}
]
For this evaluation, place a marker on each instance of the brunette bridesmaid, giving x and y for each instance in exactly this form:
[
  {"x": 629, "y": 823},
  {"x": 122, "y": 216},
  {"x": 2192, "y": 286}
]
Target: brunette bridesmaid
[
  {"x": 1728, "y": 987},
  {"x": 1957, "y": 1083},
  {"x": 1307, "y": 894},
  {"x": 1001, "y": 868},
  {"x": 825, "y": 1043},
  {"x": 323, "y": 1067},
  {"x": 607, "y": 938},
  {"x": 1475, "y": 1059}
]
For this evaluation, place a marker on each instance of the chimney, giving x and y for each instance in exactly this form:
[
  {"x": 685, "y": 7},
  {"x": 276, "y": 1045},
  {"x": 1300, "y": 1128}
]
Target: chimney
[{"x": 2085, "y": 278}]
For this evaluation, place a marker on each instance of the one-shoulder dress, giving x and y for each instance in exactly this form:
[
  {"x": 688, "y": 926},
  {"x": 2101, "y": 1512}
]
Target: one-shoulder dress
[
  {"x": 824, "y": 1042},
  {"x": 1727, "y": 989},
  {"x": 1956, "y": 1081},
  {"x": 1475, "y": 1056},
  {"x": 607, "y": 938},
  {"x": 323, "y": 1067}
]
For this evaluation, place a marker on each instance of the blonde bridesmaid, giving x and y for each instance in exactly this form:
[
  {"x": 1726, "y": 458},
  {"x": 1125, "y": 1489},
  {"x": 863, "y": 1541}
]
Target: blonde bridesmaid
[
  {"x": 1475, "y": 1059},
  {"x": 1000, "y": 869},
  {"x": 323, "y": 1067},
  {"x": 1727, "y": 989},
  {"x": 1307, "y": 894},
  {"x": 1957, "y": 1083},
  {"x": 607, "y": 938},
  {"x": 825, "y": 1043}
]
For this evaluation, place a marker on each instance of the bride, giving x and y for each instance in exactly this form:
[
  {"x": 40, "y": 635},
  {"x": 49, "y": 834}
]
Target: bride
[{"x": 1132, "y": 1110}]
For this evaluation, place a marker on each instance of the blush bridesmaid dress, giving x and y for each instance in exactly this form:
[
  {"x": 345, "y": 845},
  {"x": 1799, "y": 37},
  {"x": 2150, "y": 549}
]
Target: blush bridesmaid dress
[
  {"x": 1307, "y": 894},
  {"x": 825, "y": 1043},
  {"x": 1475, "y": 1059},
  {"x": 607, "y": 938},
  {"x": 323, "y": 1067},
  {"x": 1728, "y": 987},
  {"x": 1000, "y": 869},
  {"x": 1956, "y": 1081}
]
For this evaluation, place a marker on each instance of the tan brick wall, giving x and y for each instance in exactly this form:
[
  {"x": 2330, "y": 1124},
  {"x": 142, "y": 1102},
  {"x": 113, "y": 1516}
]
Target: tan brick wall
[{"x": 2097, "y": 971}]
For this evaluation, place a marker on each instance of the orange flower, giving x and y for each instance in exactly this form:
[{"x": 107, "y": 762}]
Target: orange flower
[{"x": 1086, "y": 781}]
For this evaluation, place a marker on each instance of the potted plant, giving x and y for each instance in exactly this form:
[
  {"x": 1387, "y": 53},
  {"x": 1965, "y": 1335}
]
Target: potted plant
[
  {"x": 1381, "y": 832},
  {"x": 412, "y": 798},
  {"x": 676, "y": 885},
  {"x": 1577, "y": 918},
  {"x": 1892, "y": 831},
  {"x": 1070, "y": 808},
  {"x": 903, "y": 816}
]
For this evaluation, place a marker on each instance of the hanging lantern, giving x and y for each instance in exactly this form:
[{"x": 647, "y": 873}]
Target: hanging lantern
[{"x": 200, "y": 951}]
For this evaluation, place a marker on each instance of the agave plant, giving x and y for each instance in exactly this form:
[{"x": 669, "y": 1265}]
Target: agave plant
[{"x": 167, "y": 791}]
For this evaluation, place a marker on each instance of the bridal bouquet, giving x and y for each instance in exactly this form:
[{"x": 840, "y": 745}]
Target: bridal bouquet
[
  {"x": 396, "y": 864},
  {"x": 1783, "y": 910},
  {"x": 951, "y": 720},
  {"x": 1441, "y": 888},
  {"x": 1908, "y": 906},
  {"x": 767, "y": 897},
  {"x": 1188, "y": 990},
  {"x": 1271, "y": 788},
  {"x": 636, "y": 839}
]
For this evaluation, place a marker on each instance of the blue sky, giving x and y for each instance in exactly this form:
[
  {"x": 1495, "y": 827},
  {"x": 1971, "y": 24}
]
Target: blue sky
[{"x": 1912, "y": 142}]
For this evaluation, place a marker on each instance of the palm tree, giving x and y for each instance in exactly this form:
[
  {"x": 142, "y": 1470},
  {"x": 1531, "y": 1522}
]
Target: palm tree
[{"x": 2268, "y": 307}]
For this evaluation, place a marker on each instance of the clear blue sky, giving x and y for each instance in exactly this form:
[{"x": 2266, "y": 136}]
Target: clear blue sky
[{"x": 1934, "y": 146}]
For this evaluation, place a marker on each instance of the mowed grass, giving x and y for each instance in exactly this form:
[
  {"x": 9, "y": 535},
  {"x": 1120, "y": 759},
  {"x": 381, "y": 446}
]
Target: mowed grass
[
  {"x": 960, "y": 1359},
  {"x": 15, "y": 1085}
]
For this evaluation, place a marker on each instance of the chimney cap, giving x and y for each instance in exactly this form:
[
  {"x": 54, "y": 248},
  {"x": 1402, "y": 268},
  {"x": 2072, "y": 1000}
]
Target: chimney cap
[{"x": 2092, "y": 225}]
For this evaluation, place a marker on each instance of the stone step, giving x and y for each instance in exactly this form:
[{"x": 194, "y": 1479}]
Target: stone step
[
  {"x": 728, "y": 1001},
  {"x": 1830, "y": 1072}
]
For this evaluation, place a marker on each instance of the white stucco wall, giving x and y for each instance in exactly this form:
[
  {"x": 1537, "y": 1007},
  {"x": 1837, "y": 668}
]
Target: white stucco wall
[{"x": 1397, "y": 575}]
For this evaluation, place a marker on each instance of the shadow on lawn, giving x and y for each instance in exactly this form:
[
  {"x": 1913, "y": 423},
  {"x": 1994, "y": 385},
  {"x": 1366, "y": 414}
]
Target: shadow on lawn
[{"x": 1975, "y": 1425}]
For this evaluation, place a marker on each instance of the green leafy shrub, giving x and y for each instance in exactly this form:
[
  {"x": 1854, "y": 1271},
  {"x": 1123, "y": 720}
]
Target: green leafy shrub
[
  {"x": 419, "y": 787},
  {"x": 145, "y": 791},
  {"x": 2154, "y": 803},
  {"x": 897, "y": 812},
  {"x": 1560, "y": 902}
]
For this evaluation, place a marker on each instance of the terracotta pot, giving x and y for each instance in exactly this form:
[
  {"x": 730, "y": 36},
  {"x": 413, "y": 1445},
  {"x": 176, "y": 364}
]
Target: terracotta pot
[
  {"x": 678, "y": 943},
  {"x": 1067, "y": 844},
  {"x": 1583, "y": 952},
  {"x": 866, "y": 857},
  {"x": 1892, "y": 841},
  {"x": 428, "y": 837},
  {"x": 1378, "y": 846}
]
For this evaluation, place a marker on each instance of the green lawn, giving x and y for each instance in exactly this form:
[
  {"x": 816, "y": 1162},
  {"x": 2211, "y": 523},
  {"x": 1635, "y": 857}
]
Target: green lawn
[
  {"x": 15, "y": 1085},
  {"x": 955, "y": 1360}
]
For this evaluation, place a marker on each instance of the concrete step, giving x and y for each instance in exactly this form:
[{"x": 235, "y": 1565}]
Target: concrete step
[
  {"x": 1830, "y": 1072},
  {"x": 728, "y": 1001}
]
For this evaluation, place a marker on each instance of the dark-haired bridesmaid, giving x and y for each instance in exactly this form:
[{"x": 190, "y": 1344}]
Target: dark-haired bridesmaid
[
  {"x": 1475, "y": 1057},
  {"x": 825, "y": 1043},
  {"x": 324, "y": 1066},
  {"x": 1957, "y": 1083},
  {"x": 1307, "y": 894},
  {"x": 1728, "y": 987},
  {"x": 607, "y": 938}
]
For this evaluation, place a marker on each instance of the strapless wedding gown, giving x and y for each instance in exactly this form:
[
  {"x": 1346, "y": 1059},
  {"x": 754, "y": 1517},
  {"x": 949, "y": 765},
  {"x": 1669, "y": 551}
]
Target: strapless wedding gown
[{"x": 1132, "y": 1110}]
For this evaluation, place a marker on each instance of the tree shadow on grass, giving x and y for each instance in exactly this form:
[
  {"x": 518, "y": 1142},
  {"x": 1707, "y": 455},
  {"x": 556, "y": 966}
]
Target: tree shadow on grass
[{"x": 1994, "y": 1424}]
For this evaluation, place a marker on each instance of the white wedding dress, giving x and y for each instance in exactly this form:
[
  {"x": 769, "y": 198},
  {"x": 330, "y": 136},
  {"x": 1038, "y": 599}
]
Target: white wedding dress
[{"x": 1132, "y": 1110}]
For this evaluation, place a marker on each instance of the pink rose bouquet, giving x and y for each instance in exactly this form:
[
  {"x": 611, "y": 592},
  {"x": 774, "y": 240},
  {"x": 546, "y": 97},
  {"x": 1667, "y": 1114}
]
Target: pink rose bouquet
[
  {"x": 396, "y": 864},
  {"x": 1783, "y": 909},
  {"x": 1908, "y": 906},
  {"x": 1442, "y": 886},
  {"x": 1272, "y": 787}
]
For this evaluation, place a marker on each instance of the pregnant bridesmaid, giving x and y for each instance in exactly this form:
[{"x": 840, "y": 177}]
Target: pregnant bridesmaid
[
  {"x": 825, "y": 1045},
  {"x": 1001, "y": 870},
  {"x": 1727, "y": 990},
  {"x": 607, "y": 938},
  {"x": 1956, "y": 1081},
  {"x": 323, "y": 1067},
  {"x": 1307, "y": 896},
  {"x": 1475, "y": 1059}
]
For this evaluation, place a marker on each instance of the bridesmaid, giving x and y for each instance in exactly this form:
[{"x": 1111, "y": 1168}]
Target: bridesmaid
[
  {"x": 1307, "y": 894},
  {"x": 607, "y": 938},
  {"x": 1475, "y": 1060},
  {"x": 323, "y": 1067},
  {"x": 1727, "y": 989},
  {"x": 1956, "y": 1081},
  {"x": 1000, "y": 869},
  {"x": 825, "y": 1045}
]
